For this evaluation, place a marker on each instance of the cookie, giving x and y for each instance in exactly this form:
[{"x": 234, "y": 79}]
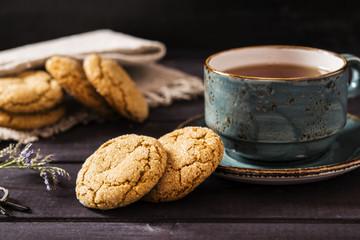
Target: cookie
[
  {"x": 120, "y": 172},
  {"x": 31, "y": 121},
  {"x": 115, "y": 85},
  {"x": 193, "y": 154},
  {"x": 69, "y": 73},
  {"x": 31, "y": 91}
]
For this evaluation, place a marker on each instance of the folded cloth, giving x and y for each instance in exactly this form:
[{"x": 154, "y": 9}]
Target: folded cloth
[
  {"x": 127, "y": 50},
  {"x": 160, "y": 85}
]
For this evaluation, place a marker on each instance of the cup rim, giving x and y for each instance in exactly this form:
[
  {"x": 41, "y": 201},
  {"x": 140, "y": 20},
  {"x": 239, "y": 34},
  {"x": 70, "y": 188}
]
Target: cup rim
[{"x": 277, "y": 79}]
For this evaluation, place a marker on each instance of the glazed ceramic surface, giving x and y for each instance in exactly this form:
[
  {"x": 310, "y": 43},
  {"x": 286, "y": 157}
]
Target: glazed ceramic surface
[
  {"x": 276, "y": 119},
  {"x": 342, "y": 156}
]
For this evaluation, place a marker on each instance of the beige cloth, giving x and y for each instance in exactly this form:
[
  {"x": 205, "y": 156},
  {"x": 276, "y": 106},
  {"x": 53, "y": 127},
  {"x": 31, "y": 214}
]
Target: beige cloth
[{"x": 160, "y": 85}]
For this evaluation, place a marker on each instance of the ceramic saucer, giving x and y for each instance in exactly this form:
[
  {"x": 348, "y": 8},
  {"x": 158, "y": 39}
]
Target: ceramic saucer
[{"x": 343, "y": 156}]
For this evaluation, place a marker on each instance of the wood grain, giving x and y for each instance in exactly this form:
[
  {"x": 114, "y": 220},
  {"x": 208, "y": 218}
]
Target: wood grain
[
  {"x": 115, "y": 230},
  {"x": 215, "y": 200}
]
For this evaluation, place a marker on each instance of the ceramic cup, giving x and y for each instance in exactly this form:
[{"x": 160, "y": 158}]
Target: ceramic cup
[{"x": 279, "y": 119}]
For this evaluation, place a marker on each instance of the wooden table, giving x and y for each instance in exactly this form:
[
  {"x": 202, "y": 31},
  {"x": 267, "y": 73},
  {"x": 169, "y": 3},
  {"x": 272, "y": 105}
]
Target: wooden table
[{"x": 217, "y": 209}]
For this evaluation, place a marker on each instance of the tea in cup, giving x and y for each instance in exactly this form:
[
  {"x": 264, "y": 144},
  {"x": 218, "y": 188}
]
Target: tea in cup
[{"x": 278, "y": 103}]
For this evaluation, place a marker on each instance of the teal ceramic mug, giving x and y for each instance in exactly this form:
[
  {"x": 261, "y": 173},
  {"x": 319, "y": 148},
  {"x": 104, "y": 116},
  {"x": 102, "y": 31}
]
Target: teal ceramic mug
[{"x": 279, "y": 118}]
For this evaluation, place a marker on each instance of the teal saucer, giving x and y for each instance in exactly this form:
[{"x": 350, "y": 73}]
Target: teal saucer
[{"x": 343, "y": 156}]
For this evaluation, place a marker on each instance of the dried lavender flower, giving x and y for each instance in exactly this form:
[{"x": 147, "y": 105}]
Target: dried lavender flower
[{"x": 12, "y": 157}]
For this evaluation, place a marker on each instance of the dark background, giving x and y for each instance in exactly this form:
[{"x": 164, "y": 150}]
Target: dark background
[{"x": 195, "y": 27}]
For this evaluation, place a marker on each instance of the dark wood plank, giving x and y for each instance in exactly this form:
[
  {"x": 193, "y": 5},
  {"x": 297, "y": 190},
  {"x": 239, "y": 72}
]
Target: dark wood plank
[
  {"x": 216, "y": 200},
  {"x": 96, "y": 230}
]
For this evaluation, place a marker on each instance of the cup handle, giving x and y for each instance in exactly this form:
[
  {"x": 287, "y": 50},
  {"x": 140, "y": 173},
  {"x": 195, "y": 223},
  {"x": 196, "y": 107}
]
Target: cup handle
[{"x": 354, "y": 86}]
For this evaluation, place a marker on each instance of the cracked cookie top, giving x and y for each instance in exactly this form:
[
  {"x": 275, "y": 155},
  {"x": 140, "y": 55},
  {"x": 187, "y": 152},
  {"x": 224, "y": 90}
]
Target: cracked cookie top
[
  {"x": 31, "y": 91},
  {"x": 193, "y": 154},
  {"x": 115, "y": 85},
  {"x": 70, "y": 74},
  {"x": 120, "y": 172}
]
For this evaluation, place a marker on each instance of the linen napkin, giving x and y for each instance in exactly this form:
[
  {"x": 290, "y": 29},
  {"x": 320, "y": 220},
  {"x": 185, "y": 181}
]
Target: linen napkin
[{"x": 160, "y": 85}]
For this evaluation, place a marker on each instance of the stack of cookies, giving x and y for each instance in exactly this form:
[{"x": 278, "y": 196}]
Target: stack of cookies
[
  {"x": 132, "y": 167},
  {"x": 101, "y": 85},
  {"x": 32, "y": 99}
]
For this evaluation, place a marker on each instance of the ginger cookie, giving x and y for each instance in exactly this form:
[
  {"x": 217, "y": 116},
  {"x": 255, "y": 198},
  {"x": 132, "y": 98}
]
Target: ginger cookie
[
  {"x": 193, "y": 154},
  {"x": 70, "y": 74},
  {"x": 120, "y": 172},
  {"x": 31, "y": 91},
  {"x": 31, "y": 121},
  {"x": 115, "y": 85}
]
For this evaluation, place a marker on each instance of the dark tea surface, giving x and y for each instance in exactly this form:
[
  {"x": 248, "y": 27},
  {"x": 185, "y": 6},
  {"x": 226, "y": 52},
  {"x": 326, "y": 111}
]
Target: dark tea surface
[{"x": 275, "y": 71}]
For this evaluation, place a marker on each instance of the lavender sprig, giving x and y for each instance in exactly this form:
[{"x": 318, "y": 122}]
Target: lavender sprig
[{"x": 13, "y": 157}]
